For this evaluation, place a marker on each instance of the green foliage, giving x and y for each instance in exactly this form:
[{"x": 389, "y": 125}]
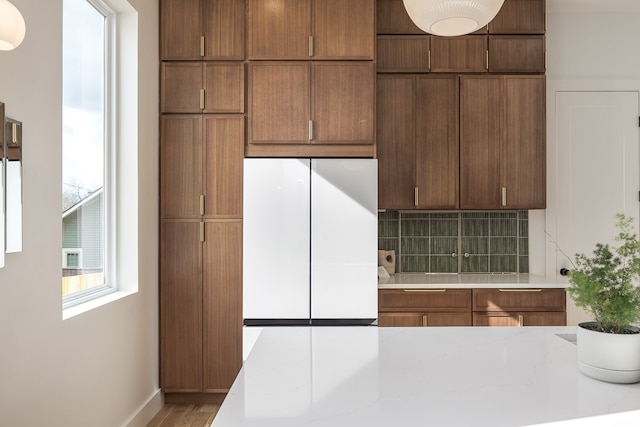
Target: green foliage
[{"x": 606, "y": 284}]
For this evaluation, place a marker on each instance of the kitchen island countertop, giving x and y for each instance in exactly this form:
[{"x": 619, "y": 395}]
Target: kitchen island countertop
[
  {"x": 465, "y": 281},
  {"x": 380, "y": 377}
]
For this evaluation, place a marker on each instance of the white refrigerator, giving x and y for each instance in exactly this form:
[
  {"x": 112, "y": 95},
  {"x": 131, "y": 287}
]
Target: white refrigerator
[{"x": 310, "y": 242}]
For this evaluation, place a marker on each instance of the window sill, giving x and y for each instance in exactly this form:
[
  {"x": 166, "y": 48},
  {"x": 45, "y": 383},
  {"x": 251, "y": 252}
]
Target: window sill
[{"x": 76, "y": 310}]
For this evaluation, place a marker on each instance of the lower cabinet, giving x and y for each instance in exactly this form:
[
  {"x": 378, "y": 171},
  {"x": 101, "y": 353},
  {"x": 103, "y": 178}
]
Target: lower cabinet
[
  {"x": 471, "y": 307},
  {"x": 424, "y": 307},
  {"x": 200, "y": 304}
]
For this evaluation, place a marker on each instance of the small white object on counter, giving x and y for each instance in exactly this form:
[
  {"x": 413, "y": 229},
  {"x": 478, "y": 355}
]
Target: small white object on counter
[
  {"x": 380, "y": 377},
  {"x": 465, "y": 281}
]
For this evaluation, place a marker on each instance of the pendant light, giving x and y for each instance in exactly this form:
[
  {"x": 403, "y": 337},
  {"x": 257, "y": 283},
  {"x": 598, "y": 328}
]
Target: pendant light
[
  {"x": 12, "y": 26},
  {"x": 452, "y": 17}
]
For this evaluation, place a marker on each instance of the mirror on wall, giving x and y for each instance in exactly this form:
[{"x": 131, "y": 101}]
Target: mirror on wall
[{"x": 13, "y": 185}]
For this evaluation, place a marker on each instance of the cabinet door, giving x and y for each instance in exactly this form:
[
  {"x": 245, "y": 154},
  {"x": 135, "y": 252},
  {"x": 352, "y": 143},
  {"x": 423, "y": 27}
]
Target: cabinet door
[
  {"x": 392, "y": 18},
  {"x": 224, "y": 152},
  {"x": 519, "y": 17},
  {"x": 395, "y": 141},
  {"x": 180, "y": 306},
  {"x": 436, "y": 154},
  {"x": 520, "y": 319},
  {"x": 399, "y": 319},
  {"x": 180, "y": 29},
  {"x": 224, "y": 29},
  {"x": 224, "y": 87},
  {"x": 279, "y": 103},
  {"x": 343, "y": 29},
  {"x": 181, "y": 83},
  {"x": 424, "y": 319},
  {"x": 403, "y": 54},
  {"x": 180, "y": 166},
  {"x": 516, "y": 54},
  {"x": 464, "y": 54},
  {"x": 525, "y": 163},
  {"x": 222, "y": 302},
  {"x": 343, "y": 102},
  {"x": 278, "y": 30},
  {"x": 433, "y": 320},
  {"x": 481, "y": 133}
]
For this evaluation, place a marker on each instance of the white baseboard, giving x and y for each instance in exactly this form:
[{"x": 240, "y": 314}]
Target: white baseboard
[{"x": 146, "y": 412}]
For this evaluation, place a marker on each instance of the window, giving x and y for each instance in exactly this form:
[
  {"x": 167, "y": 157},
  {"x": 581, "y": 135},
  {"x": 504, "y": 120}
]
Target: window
[{"x": 87, "y": 193}]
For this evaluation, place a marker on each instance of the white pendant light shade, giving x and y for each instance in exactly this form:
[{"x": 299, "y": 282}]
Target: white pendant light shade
[
  {"x": 12, "y": 26},
  {"x": 452, "y": 17}
]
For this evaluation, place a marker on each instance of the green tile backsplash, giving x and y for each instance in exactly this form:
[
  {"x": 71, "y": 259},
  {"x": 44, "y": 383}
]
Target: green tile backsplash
[{"x": 456, "y": 242}]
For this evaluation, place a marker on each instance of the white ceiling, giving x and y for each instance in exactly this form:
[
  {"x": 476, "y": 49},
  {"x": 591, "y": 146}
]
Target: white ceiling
[{"x": 593, "y": 5}]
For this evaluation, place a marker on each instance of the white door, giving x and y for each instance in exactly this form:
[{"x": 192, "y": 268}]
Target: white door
[
  {"x": 344, "y": 235},
  {"x": 276, "y": 239},
  {"x": 597, "y": 172}
]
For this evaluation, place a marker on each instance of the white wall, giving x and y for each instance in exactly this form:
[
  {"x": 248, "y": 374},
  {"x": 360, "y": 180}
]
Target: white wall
[
  {"x": 592, "y": 45},
  {"x": 99, "y": 368}
]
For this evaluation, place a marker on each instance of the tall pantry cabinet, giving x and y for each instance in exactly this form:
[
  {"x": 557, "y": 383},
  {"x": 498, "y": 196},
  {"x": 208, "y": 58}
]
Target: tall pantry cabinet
[{"x": 202, "y": 126}]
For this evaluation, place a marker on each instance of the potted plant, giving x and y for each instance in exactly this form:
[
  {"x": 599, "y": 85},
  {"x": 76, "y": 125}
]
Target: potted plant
[{"x": 606, "y": 286}]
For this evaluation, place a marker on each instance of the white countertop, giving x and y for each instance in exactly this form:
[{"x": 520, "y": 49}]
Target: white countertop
[
  {"x": 381, "y": 377},
  {"x": 464, "y": 281}
]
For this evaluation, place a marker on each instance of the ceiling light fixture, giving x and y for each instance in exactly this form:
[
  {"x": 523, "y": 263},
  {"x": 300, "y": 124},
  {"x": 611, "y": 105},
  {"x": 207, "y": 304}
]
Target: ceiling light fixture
[
  {"x": 452, "y": 17},
  {"x": 12, "y": 26}
]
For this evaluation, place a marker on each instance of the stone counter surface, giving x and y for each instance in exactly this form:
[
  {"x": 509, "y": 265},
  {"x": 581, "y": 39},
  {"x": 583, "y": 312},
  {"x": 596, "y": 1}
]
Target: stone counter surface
[
  {"x": 381, "y": 377},
  {"x": 466, "y": 281}
]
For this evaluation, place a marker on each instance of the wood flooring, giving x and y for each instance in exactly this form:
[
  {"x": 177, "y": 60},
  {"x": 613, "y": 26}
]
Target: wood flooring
[{"x": 185, "y": 415}]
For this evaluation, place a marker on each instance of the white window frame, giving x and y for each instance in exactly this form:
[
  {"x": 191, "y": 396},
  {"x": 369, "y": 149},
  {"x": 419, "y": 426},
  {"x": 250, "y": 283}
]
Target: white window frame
[{"x": 110, "y": 150}]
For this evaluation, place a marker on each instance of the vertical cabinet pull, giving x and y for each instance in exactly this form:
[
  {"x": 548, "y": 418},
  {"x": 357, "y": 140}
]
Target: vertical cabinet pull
[
  {"x": 202, "y": 204},
  {"x": 487, "y": 63},
  {"x": 202, "y": 99},
  {"x": 14, "y": 133},
  {"x": 310, "y": 130},
  {"x": 201, "y": 45},
  {"x": 424, "y": 320},
  {"x": 504, "y": 196},
  {"x": 520, "y": 320},
  {"x": 201, "y": 231},
  {"x": 310, "y": 45},
  {"x": 415, "y": 196},
  {"x": 429, "y": 60}
]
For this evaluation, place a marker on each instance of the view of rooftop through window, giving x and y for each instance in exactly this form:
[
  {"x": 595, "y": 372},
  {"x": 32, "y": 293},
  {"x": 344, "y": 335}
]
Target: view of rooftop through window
[{"x": 84, "y": 53}]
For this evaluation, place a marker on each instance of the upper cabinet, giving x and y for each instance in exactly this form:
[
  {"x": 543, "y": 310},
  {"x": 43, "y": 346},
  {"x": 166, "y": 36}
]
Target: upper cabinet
[
  {"x": 202, "y": 87},
  {"x": 519, "y": 17},
  {"x": 202, "y": 29},
  {"x": 392, "y": 18},
  {"x": 311, "y": 29},
  {"x": 310, "y": 104},
  {"x": 502, "y": 142}
]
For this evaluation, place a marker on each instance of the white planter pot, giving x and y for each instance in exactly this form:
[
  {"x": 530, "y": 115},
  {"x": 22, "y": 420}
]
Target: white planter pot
[{"x": 614, "y": 358}]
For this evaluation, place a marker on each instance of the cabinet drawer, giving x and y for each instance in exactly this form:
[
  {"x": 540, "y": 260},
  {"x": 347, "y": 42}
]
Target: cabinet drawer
[
  {"x": 551, "y": 318},
  {"x": 432, "y": 300},
  {"x": 424, "y": 319},
  {"x": 518, "y": 299},
  {"x": 463, "y": 54}
]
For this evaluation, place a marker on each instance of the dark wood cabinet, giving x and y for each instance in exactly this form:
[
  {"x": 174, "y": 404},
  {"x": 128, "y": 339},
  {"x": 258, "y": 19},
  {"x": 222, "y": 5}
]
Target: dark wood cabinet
[
  {"x": 310, "y": 104},
  {"x": 311, "y": 29},
  {"x": 519, "y": 307},
  {"x": 200, "y": 314},
  {"x": 520, "y": 17},
  {"x": 403, "y": 54},
  {"x": 392, "y": 18},
  {"x": 424, "y": 307},
  {"x": 202, "y": 29},
  {"x": 517, "y": 54},
  {"x": 202, "y": 87},
  {"x": 463, "y": 54},
  {"x": 417, "y": 139},
  {"x": 502, "y": 142},
  {"x": 201, "y": 166}
]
